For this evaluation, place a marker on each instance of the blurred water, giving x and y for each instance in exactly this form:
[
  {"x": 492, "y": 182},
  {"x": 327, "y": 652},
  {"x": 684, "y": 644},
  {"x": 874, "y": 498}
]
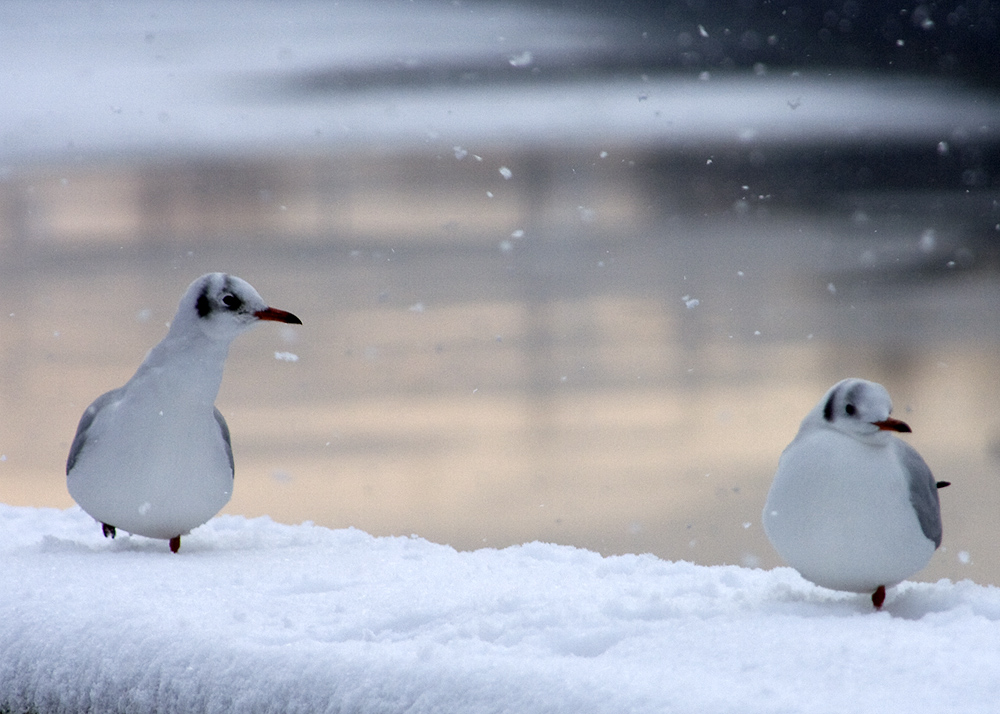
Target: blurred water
[
  {"x": 608, "y": 348},
  {"x": 620, "y": 385}
]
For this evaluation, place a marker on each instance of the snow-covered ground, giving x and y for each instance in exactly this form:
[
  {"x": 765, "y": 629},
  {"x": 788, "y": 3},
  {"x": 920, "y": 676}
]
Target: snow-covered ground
[{"x": 253, "y": 616}]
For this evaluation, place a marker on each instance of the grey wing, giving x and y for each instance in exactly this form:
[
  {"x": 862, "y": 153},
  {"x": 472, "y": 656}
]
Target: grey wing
[
  {"x": 923, "y": 492},
  {"x": 224, "y": 428},
  {"x": 84, "y": 426}
]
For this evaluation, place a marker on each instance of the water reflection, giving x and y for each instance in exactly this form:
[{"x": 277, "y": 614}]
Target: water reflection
[{"x": 486, "y": 361}]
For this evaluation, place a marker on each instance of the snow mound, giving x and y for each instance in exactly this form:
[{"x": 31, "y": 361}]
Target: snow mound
[{"x": 254, "y": 616}]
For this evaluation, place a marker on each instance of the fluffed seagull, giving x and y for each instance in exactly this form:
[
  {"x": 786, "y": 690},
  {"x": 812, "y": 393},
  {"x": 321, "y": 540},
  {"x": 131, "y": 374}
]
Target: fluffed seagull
[
  {"x": 852, "y": 507},
  {"x": 153, "y": 457}
]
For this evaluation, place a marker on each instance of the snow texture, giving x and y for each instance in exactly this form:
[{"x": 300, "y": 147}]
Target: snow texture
[{"x": 254, "y": 616}]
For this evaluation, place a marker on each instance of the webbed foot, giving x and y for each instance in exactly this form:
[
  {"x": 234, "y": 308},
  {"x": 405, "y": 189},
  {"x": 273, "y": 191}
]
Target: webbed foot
[
  {"x": 175, "y": 544},
  {"x": 109, "y": 531}
]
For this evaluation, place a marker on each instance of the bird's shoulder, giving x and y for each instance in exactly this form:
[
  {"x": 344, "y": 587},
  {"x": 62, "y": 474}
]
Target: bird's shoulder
[
  {"x": 224, "y": 429},
  {"x": 923, "y": 490},
  {"x": 86, "y": 421},
  {"x": 916, "y": 469}
]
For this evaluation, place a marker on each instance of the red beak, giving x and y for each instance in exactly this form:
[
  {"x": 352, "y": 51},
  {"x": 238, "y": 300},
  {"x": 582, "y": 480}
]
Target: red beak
[
  {"x": 275, "y": 315},
  {"x": 891, "y": 424}
]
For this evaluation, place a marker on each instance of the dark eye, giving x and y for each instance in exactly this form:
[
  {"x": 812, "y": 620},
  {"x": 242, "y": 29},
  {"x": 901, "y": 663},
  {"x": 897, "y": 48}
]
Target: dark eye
[
  {"x": 850, "y": 409},
  {"x": 232, "y": 302}
]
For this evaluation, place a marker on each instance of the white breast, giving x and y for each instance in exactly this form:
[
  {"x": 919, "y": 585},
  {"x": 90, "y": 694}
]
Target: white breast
[
  {"x": 155, "y": 463},
  {"x": 839, "y": 512}
]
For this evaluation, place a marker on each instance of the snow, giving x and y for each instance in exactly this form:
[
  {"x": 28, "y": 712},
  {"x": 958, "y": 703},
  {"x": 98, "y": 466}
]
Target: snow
[{"x": 254, "y": 616}]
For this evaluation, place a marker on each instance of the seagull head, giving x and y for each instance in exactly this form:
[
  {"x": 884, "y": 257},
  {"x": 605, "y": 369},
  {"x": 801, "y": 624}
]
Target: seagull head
[
  {"x": 859, "y": 408},
  {"x": 222, "y": 306}
]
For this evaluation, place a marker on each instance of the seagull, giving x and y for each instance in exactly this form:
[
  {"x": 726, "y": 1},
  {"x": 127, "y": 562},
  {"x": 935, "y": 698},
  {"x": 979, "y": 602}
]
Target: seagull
[
  {"x": 852, "y": 507},
  {"x": 153, "y": 457}
]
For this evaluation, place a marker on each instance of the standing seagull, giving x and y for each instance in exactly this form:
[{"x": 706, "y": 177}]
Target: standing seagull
[
  {"x": 153, "y": 457},
  {"x": 852, "y": 507}
]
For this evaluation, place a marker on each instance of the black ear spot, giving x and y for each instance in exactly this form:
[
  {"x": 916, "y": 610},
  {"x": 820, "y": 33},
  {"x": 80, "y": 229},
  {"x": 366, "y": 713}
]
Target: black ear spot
[
  {"x": 203, "y": 305},
  {"x": 232, "y": 302},
  {"x": 828, "y": 408},
  {"x": 851, "y": 411}
]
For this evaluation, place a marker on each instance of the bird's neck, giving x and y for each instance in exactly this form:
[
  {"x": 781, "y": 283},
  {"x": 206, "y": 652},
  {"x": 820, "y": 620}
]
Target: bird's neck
[{"x": 188, "y": 366}]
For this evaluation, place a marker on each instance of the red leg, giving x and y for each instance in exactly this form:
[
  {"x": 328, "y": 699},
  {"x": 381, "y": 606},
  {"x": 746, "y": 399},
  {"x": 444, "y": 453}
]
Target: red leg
[
  {"x": 878, "y": 597},
  {"x": 175, "y": 545}
]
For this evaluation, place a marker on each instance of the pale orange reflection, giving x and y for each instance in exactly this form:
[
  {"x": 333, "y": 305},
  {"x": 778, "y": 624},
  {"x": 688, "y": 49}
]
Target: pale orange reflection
[{"x": 483, "y": 389}]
